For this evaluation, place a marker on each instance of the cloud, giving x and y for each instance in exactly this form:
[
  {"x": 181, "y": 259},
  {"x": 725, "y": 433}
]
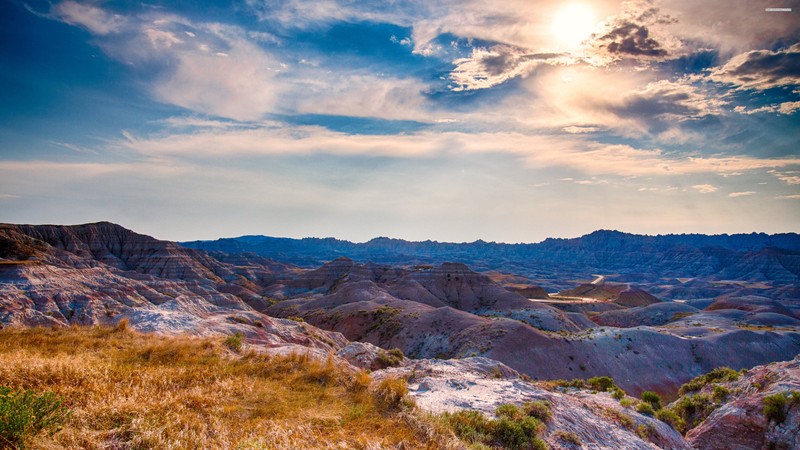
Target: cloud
[
  {"x": 580, "y": 130},
  {"x": 661, "y": 106},
  {"x": 94, "y": 19},
  {"x": 205, "y": 67},
  {"x": 238, "y": 83},
  {"x": 791, "y": 177},
  {"x": 781, "y": 108},
  {"x": 741, "y": 194},
  {"x": 639, "y": 32},
  {"x": 761, "y": 69},
  {"x": 789, "y": 197},
  {"x": 485, "y": 68},
  {"x": 536, "y": 151},
  {"x": 630, "y": 39},
  {"x": 705, "y": 188}
]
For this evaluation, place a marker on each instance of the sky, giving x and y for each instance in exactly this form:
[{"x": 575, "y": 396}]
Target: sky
[{"x": 447, "y": 120}]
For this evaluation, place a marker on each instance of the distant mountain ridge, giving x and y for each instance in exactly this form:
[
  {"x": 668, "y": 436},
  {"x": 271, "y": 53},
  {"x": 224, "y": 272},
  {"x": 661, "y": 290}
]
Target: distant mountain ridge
[{"x": 751, "y": 257}]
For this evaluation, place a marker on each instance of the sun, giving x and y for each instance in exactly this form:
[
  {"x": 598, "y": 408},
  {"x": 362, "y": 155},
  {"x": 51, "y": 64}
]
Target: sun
[{"x": 573, "y": 24}]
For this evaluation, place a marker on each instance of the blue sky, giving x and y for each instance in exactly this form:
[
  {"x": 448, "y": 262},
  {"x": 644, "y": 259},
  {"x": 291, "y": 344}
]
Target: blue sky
[{"x": 446, "y": 120}]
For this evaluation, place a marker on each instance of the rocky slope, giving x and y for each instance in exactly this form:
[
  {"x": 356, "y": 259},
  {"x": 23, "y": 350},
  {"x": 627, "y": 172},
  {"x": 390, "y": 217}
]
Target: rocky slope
[
  {"x": 102, "y": 273},
  {"x": 595, "y": 418},
  {"x": 448, "y": 311},
  {"x": 741, "y": 420}
]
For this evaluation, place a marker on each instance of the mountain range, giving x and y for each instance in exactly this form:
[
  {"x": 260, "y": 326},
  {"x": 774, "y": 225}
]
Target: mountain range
[{"x": 739, "y": 308}]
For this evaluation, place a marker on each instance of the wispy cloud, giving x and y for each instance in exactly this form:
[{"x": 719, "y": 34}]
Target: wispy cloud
[
  {"x": 780, "y": 108},
  {"x": 705, "y": 188},
  {"x": 535, "y": 150},
  {"x": 741, "y": 194},
  {"x": 94, "y": 19},
  {"x": 790, "y": 177}
]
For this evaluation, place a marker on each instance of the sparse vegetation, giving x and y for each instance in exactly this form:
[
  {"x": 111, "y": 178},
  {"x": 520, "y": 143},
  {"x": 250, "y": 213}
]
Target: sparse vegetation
[
  {"x": 645, "y": 408},
  {"x": 652, "y": 398},
  {"x": 513, "y": 428},
  {"x": 391, "y": 394},
  {"x": 127, "y": 390},
  {"x": 718, "y": 375},
  {"x": 539, "y": 410},
  {"x": 235, "y": 342},
  {"x": 25, "y": 414},
  {"x": 692, "y": 409},
  {"x": 567, "y": 437},
  {"x": 670, "y": 418},
  {"x": 775, "y": 407},
  {"x": 601, "y": 383},
  {"x": 391, "y": 358}
]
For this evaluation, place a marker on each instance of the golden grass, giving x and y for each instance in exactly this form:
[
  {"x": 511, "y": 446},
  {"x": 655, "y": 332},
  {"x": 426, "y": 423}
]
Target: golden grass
[{"x": 127, "y": 390}]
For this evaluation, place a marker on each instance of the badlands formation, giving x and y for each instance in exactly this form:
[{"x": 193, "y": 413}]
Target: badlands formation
[{"x": 471, "y": 339}]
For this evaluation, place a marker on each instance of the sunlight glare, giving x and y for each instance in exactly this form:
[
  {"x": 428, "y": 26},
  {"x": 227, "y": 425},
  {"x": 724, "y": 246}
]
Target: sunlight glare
[{"x": 573, "y": 24}]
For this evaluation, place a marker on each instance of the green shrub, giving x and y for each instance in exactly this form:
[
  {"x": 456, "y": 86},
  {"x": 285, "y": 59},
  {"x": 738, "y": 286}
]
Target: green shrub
[
  {"x": 567, "y": 437},
  {"x": 24, "y": 414},
  {"x": 509, "y": 411},
  {"x": 235, "y": 342},
  {"x": 645, "y": 408},
  {"x": 652, "y": 398},
  {"x": 470, "y": 426},
  {"x": 720, "y": 393},
  {"x": 671, "y": 418},
  {"x": 601, "y": 383},
  {"x": 391, "y": 358},
  {"x": 618, "y": 394},
  {"x": 517, "y": 434},
  {"x": 538, "y": 409},
  {"x": 775, "y": 407},
  {"x": 720, "y": 374},
  {"x": 693, "y": 409},
  {"x": 512, "y": 429},
  {"x": 626, "y": 402}
]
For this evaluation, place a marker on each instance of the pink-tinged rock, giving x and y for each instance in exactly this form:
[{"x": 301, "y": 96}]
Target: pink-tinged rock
[
  {"x": 740, "y": 422},
  {"x": 483, "y": 384}
]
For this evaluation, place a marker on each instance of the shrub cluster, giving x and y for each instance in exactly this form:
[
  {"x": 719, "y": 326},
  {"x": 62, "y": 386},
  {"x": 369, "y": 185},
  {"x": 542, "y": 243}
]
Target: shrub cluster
[
  {"x": 718, "y": 375},
  {"x": 513, "y": 428},
  {"x": 24, "y": 414}
]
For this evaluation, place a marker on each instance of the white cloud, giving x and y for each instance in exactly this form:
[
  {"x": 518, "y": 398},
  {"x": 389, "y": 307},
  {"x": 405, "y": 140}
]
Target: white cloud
[
  {"x": 94, "y": 19},
  {"x": 781, "y": 108},
  {"x": 705, "y": 188},
  {"x": 741, "y": 194},
  {"x": 791, "y": 177},
  {"x": 789, "y": 197},
  {"x": 219, "y": 71},
  {"x": 580, "y": 130}
]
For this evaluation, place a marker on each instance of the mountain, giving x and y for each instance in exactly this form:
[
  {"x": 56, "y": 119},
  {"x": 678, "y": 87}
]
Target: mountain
[
  {"x": 756, "y": 257},
  {"x": 102, "y": 273}
]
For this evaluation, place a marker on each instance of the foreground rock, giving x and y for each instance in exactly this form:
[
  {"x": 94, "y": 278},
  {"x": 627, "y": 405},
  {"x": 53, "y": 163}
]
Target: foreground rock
[
  {"x": 482, "y": 384},
  {"x": 741, "y": 421}
]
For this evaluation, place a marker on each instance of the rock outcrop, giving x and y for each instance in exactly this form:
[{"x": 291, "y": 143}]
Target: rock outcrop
[
  {"x": 596, "y": 419},
  {"x": 743, "y": 422}
]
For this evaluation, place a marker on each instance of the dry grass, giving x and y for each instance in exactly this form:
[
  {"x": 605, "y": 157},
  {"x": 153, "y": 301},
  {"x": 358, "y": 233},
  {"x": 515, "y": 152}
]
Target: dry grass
[{"x": 128, "y": 390}]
